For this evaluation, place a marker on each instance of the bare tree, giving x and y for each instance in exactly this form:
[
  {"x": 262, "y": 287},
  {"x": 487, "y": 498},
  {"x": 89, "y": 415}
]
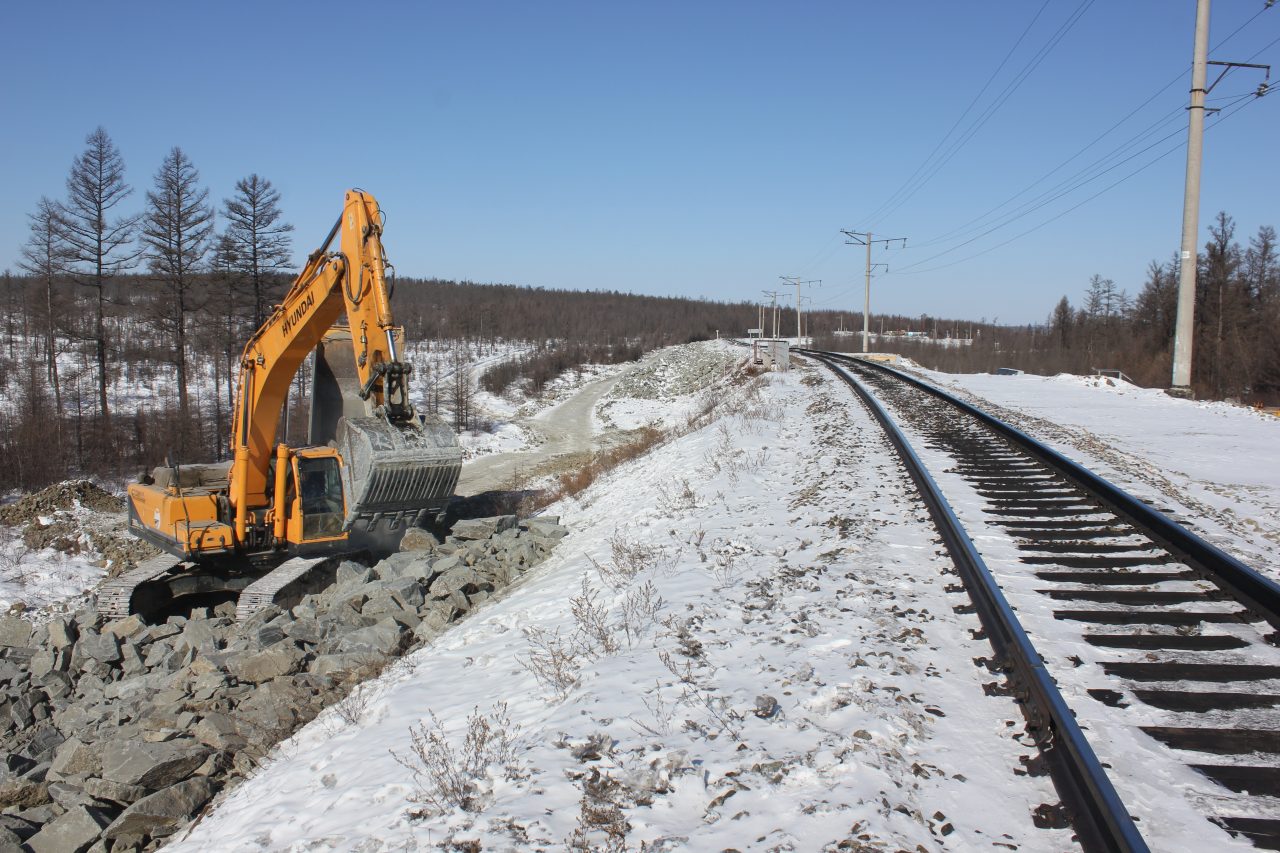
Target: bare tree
[
  {"x": 1060, "y": 322},
  {"x": 98, "y": 247},
  {"x": 175, "y": 232},
  {"x": 258, "y": 242},
  {"x": 44, "y": 259},
  {"x": 1221, "y": 290}
]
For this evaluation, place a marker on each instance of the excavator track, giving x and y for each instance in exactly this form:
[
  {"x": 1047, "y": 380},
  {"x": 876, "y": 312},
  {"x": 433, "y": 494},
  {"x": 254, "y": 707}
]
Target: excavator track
[
  {"x": 290, "y": 576},
  {"x": 116, "y": 595}
]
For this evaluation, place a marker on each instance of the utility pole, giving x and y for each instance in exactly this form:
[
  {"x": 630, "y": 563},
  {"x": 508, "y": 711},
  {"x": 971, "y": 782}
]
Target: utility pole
[
  {"x": 1184, "y": 328},
  {"x": 795, "y": 280},
  {"x": 773, "y": 294},
  {"x": 808, "y": 300},
  {"x": 857, "y": 238}
]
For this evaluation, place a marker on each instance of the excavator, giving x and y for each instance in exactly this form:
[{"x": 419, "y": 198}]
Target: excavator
[{"x": 258, "y": 526}]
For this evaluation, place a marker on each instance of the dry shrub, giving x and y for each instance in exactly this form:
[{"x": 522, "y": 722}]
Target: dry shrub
[
  {"x": 572, "y": 483},
  {"x": 592, "y": 619},
  {"x": 553, "y": 659},
  {"x": 448, "y": 778}
]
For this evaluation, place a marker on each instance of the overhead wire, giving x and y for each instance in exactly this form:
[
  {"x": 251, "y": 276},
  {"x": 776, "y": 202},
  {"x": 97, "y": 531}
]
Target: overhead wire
[
  {"x": 963, "y": 115},
  {"x": 994, "y": 106},
  {"x": 1030, "y": 206},
  {"x": 1246, "y": 99},
  {"x": 964, "y": 228},
  {"x": 1098, "y": 164},
  {"x": 1133, "y": 140}
]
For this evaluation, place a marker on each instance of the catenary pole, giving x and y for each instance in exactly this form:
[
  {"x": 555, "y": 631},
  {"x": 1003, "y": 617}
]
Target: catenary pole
[
  {"x": 1184, "y": 329},
  {"x": 857, "y": 238}
]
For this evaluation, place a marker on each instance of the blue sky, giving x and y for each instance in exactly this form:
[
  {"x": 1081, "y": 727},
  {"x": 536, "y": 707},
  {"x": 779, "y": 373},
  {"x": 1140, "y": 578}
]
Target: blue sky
[{"x": 697, "y": 149}]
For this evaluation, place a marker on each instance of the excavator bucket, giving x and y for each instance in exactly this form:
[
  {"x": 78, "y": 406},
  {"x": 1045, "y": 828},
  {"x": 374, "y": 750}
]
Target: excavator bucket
[
  {"x": 400, "y": 472},
  {"x": 396, "y": 474}
]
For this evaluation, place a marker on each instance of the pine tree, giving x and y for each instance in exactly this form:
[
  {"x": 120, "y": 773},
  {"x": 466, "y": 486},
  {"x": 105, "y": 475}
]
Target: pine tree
[
  {"x": 44, "y": 259},
  {"x": 175, "y": 231},
  {"x": 98, "y": 247},
  {"x": 258, "y": 242}
]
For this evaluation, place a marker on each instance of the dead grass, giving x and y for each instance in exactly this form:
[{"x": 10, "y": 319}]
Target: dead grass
[{"x": 449, "y": 776}]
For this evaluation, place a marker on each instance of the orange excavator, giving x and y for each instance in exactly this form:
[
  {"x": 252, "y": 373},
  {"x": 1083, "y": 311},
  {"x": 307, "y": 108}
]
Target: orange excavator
[{"x": 374, "y": 466}]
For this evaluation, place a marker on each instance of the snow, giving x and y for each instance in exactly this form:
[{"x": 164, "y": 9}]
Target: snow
[
  {"x": 793, "y": 566},
  {"x": 1213, "y": 466},
  {"x": 34, "y": 578},
  {"x": 44, "y": 577},
  {"x": 771, "y": 553}
]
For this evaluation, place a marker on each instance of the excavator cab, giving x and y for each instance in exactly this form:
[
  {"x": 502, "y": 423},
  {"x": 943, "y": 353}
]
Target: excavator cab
[{"x": 319, "y": 506}]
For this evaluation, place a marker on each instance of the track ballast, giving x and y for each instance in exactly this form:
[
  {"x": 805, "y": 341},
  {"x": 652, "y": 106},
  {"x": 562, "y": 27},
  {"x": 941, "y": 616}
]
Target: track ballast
[{"x": 1179, "y": 638}]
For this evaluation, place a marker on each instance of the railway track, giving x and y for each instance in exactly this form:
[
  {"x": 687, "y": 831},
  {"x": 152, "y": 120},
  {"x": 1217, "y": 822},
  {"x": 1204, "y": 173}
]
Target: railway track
[{"x": 1102, "y": 609}]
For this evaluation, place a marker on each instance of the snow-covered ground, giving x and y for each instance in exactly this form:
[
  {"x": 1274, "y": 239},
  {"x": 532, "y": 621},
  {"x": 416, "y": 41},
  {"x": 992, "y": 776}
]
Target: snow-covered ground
[
  {"x": 58, "y": 543},
  {"x": 745, "y": 643},
  {"x": 1213, "y": 466},
  {"x": 772, "y": 555}
]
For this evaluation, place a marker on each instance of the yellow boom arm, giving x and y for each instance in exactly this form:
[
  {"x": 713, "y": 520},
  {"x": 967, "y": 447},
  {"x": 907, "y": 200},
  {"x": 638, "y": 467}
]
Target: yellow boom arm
[{"x": 351, "y": 279}]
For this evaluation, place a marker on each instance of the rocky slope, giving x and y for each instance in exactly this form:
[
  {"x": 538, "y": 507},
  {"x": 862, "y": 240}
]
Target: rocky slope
[{"x": 117, "y": 734}]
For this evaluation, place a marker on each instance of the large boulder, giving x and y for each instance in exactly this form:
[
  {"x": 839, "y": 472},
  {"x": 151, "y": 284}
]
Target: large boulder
[
  {"x": 126, "y": 628},
  {"x": 280, "y": 659},
  {"x": 151, "y": 765},
  {"x": 482, "y": 528},
  {"x": 15, "y": 631},
  {"x": 545, "y": 527},
  {"x": 385, "y": 638},
  {"x": 62, "y": 634},
  {"x": 462, "y": 578},
  {"x": 103, "y": 648},
  {"x": 75, "y": 758},
  {"x": 23, "y": 794},
  {"x": 72, "y": 832},
  {"x": 113, "y": 792},
  {"x": 163, "y": 812},
  {"x": 416, "y": 539}
]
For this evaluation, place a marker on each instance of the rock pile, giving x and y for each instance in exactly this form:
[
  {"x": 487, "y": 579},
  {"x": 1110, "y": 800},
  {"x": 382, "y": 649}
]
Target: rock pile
[
  {"x": 60, "y": 496},
  {"x": 114, "y": 736}
]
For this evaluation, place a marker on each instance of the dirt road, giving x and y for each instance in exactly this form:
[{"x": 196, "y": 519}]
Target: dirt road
[{"x": 563, "y": 429}]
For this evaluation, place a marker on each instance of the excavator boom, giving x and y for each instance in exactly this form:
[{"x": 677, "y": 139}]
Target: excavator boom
[{"x": 375, "y": 469}]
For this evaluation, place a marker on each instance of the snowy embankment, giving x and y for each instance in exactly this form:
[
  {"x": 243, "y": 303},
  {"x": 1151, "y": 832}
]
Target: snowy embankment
[
  {"x": 744, "y": 642},
  {"x": 1213, "y": 466}
]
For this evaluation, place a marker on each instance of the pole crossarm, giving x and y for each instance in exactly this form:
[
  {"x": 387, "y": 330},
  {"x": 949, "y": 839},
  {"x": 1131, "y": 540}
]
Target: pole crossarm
[
  {"x": 1227, "y": 66},
  {"x": 864, "y": 238},
  {"x": 797, "y": 282}
]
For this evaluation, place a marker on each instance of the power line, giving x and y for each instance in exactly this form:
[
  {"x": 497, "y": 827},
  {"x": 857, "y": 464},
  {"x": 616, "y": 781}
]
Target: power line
[
  {"x": 963, "y": 115},
  {"x": 1179, "y": 76},
  {"x": 995, "y": 105},
  {"x": 1030, "y": 205},
  {"x": 1248, "y": 99}
]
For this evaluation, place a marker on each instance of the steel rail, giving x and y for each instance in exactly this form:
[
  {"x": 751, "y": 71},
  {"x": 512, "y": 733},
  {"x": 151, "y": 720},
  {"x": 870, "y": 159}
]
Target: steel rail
[
  {"x": 1259, "y": 594},
  {"x": 1099, "y": 818}
]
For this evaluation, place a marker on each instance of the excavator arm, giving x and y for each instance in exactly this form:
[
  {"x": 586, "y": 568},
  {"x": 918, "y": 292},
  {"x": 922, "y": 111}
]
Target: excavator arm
[
  {"x": 376, "y": 468},
  {"x": 394, "y": 463}
]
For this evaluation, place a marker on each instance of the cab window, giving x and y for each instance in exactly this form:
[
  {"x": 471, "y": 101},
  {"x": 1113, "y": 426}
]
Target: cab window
[{"x": 321, "y": 492}]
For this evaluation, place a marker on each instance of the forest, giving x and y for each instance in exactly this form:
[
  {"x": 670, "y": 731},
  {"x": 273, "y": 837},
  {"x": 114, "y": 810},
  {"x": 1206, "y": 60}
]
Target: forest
[
  {"x": 123, "y": 330},
  {"x": 1236, "y": 349}
]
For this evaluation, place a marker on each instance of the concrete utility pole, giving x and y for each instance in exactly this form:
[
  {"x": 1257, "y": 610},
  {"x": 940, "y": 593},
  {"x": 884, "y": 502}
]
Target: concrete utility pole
[
  {"x": 795, "y": 280},
  {"x": 773, "y": 294},
  {"x": 1184, "y": 328},
  {"x": 857, "y": 238}
]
